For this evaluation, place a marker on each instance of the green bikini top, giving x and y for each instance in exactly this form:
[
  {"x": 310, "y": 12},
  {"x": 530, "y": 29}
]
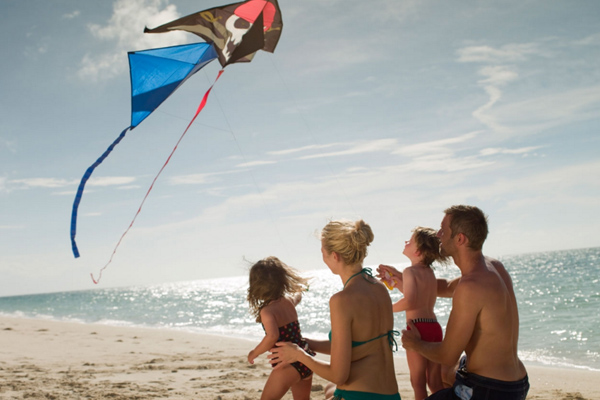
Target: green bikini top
[{"x": 389, "y": 334}]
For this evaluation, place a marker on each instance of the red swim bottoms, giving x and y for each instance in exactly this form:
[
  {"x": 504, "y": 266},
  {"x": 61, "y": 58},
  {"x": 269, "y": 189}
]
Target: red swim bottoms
[{"x": 430, "y": 329}]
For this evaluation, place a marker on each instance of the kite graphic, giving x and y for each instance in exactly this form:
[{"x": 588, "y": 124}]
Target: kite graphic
[{"x": 233, "y": 33}]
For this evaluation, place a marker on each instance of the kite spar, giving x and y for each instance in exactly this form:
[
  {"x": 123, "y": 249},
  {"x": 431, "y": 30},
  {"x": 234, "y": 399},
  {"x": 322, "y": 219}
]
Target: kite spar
[{"x": 233, "y": 33}]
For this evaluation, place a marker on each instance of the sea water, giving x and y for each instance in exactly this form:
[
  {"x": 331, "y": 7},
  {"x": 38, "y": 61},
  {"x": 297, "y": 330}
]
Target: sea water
[{"x": 558, "y": 295}]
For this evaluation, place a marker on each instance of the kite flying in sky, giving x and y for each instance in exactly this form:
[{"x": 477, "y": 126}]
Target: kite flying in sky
[{"x": 233, "y": 33}]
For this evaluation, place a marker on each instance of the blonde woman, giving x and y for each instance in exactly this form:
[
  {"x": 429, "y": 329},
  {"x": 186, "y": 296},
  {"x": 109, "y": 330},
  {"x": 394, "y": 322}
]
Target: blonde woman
[{"x": 362, "y": 337}]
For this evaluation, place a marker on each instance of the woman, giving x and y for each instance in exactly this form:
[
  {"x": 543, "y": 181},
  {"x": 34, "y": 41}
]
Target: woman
[{"x": 361, "y": 338}]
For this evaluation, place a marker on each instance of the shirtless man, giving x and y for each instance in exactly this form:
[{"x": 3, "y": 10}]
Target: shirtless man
[{"x": 484, "y": 321}]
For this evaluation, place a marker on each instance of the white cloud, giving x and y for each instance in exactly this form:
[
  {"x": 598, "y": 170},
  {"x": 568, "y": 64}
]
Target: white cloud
[
  {"x": 436, "y": 147},
  {"x": 498, "y": 75},
  {"x": 53, "y": 183},
  {"x": 72, "y": 15},
  {"x": 126, "y": 30},
  {"x": 302, "y": 149},
  {"x": 110, "y": 181},
  {"x": 255, "y": 163},
  {"x": 545, "y": 111},
  {"x": 358, "y": 148},
  {"x": 504, "y": 54},
  {"x": 42, "y": 182},
  {"x": 493, "y": 151}
]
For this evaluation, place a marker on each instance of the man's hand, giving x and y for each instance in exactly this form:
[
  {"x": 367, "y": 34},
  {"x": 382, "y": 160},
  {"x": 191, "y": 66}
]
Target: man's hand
[{"x": 411, "y": 337}]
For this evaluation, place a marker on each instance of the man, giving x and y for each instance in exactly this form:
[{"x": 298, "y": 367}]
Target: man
[{"x": 484, "y": 320}]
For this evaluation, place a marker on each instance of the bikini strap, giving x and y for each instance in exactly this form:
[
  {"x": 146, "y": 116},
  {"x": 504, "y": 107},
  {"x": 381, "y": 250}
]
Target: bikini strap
[
  {"x": 365, "y": 271},
  {"x": 392, "y": 339}
]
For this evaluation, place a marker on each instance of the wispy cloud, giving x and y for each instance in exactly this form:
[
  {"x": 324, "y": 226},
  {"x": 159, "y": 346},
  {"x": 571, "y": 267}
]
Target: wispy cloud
[
  {"x": 255, "y": 164},
  {"x": 302, "y": 149},
  {"x": 42, "y": 182},
  {"x": 125, "y": 30},
  {"x": 72, "y": 15},
  {"x": 358, "y": 148},
  {"x": 490, "y": 151},
  {"x": 436, "y": 147},
  {"x": 54, "y": 183},
  {"x": 505, "y": 54}
]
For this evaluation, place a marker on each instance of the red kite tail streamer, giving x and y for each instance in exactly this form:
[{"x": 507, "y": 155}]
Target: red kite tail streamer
[{"x": 200, "y": 107}]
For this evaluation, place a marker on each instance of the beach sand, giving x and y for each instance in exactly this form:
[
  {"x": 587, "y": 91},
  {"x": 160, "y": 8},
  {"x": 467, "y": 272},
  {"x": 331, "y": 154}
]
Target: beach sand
[{"x": 42, "y": 359}]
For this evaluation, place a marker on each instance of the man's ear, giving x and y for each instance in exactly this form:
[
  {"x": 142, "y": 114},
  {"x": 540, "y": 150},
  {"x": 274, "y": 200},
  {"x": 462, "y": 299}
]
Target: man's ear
[{"x": 462, "y": 239}]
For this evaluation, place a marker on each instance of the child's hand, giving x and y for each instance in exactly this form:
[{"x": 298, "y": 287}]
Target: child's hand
[{"x": 251, "y": 357}]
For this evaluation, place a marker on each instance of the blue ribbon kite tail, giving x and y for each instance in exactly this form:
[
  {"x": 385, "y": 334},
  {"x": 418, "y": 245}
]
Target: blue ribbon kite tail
[{"x": 84, "y": 179}]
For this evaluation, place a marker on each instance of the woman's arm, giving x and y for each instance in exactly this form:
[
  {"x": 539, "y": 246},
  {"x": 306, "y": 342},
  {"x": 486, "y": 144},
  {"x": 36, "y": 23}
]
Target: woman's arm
[
  {"x": 319, "y": 346},
  {"x": 271, "y": 335}
]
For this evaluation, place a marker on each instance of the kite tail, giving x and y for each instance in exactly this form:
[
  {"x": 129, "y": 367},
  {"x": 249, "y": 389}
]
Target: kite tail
[
  {"x": 84, "y": 179},
  {"x": 200, "y": 107}
]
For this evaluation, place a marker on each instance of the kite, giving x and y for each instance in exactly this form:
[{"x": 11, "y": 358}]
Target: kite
[{"x": 233, "y": 33}]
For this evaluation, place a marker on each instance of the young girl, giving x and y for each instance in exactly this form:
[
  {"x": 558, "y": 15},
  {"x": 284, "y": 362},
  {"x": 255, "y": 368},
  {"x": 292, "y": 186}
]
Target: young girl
[
  {"x": 419, "y": 285},
  {"x": 275, "y": 290}
]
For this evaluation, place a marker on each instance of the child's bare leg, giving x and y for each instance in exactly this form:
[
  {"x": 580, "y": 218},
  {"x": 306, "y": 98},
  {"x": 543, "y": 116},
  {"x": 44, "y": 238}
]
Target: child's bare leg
[
  {"x": 302, "y": 389},
  {"x": 279, "y": 382},
  {"x": 417, "y": 365},
  {"x": 434, "y": 376}
]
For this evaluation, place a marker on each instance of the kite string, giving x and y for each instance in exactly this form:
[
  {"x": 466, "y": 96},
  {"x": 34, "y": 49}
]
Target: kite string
[
  {"x": 200, "y": 107},
  {"x": 260, "y": 194}
]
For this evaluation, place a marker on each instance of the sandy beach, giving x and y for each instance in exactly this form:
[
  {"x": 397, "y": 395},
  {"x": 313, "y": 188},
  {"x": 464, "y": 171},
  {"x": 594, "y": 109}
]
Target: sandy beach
[{"x": 42, "y": 359}]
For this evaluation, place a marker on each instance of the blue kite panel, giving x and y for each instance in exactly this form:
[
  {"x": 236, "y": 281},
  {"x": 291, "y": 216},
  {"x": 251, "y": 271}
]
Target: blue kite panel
[{"x": 157, "y": 73}]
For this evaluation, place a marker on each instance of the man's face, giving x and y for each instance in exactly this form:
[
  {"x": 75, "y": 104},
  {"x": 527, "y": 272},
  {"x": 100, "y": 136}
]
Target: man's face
[{"x": 445, "y": 235}]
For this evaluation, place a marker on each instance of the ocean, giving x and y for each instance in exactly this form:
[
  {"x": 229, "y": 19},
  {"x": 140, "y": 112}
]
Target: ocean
[{"x": 558, "y": 294}]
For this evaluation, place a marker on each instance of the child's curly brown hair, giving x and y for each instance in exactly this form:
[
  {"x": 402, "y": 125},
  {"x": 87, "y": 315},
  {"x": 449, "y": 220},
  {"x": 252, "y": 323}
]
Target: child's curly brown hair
[{"x": 271, "y": 279}]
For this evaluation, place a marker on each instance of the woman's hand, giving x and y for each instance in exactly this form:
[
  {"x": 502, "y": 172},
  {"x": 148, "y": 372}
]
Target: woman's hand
[
  {"x": 284, "y": 353},
  {"x": 394, "y": 274}
]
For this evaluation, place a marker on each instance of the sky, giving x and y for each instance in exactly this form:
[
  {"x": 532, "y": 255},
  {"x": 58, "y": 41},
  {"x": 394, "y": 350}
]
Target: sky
[{"x": 385, "y": 110}]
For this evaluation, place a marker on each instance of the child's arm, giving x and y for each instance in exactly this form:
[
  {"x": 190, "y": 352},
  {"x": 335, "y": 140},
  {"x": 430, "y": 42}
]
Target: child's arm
[
  {"x": 271, "y": 335},
  {"x": 410, "y": 292},
  {"x": 445, "y": 287}
]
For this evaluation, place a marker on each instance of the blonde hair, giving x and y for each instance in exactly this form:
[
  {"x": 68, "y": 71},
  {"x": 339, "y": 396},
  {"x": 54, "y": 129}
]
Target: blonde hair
[
  {"x": 428, "y": 244},
  {"x": 271, "y": 279},
  {"x": 347, "y": 238}
]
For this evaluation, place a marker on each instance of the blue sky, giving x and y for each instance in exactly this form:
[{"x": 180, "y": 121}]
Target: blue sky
[{"x": 388, "y": 111}]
